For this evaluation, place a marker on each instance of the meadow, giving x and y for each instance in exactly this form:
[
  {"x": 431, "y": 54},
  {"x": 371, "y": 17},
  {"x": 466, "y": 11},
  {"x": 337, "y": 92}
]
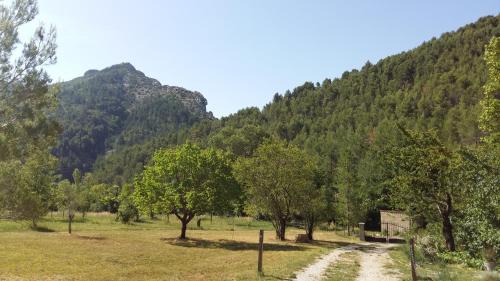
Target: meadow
[{"x": 102, "y": 248}]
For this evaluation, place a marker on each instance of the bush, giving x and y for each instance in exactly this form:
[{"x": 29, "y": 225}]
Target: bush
[
  {"x": 461, "y": 257},
  {"x": 127, "y": 211},
  {"x": 428, "y": 246}
]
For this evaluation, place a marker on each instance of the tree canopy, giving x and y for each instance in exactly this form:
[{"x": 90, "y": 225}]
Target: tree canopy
[
  {"x": 275, "y": 180},
  {"x": 186, "y": 181}
]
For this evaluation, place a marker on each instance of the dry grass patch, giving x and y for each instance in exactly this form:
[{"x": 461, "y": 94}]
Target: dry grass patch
[
  {"x": 150, "y": 251},
  {"x": 346, "y": 268}
]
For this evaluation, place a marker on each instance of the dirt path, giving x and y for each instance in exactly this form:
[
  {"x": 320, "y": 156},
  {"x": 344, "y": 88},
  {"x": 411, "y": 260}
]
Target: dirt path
[
  {"x": 373, "y": 261},
  {"x": 316, "y": 270},
  {"x": 374, "y": 258}
]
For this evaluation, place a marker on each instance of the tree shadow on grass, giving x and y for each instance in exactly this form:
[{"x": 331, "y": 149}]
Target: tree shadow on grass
[
  {"x": 230, "y": 245},
  {"x": 41, "y": 229},
  {"x": 85, "y": 237},
  {"x": 330, "y": 244},
  {"x": 273, "y": 277}
]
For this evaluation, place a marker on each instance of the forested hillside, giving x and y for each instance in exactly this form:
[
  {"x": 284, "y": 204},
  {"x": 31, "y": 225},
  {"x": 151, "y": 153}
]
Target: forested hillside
[
  {"x": 436, "y": 85},
  {"x": 118, "y": 106}
]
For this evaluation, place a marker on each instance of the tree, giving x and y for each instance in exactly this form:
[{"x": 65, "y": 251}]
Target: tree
[
  {"x": 26, "y": 131},
  {"x": 349, "y": 205},
  {"x": 127, "y": 210},
  {"x": 26, "y": 189},
  {"x": 478, "y": 216},
  {"x": 425, "y": 183},
  {"x": 84, "y": 195},
  {"x": 68, "y": 197},
  {"x": 185, "y": 181},
  {"x": 275, "y": 178},
  {"x": 25, "y": 98},
  {"x": 314, "y": 207},
  {"x": 489, "y": 120}
]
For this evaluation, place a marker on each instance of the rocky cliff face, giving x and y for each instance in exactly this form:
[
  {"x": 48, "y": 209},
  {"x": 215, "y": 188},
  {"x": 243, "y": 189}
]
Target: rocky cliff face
[
  {"x": 116, "y": 107},
  {"x": 136, "y": 85}
]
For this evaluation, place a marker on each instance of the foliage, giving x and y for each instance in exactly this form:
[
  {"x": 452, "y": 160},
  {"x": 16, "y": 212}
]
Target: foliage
[
  {"x": 127, "y": 210},
  {"x": 424, "y": 180},
  {"x": 460, "y": 257},
  {"x": 489, "y": 120},
  {"x": 478, "y": 219},
  {"x": 104, "y": 197},
  {"x": 114, "y": 108},
  {"x": 315, "y": 205},
  {"x": 186, "y": 181},
  {"x": 26, "y": 188},
  {"x": 276, "y": 178},
  {"x": 67, "y": 194},
  {"x": 24, "y": 96},
  {"x": 437, "y": 86},
  {"x": 26, "y": 131}
]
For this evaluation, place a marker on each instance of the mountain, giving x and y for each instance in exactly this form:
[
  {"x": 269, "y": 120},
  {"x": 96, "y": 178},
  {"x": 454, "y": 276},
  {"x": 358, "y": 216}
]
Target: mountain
[
  {"x": 118, "y": 106},
  {"x": 347, "y": 121}
]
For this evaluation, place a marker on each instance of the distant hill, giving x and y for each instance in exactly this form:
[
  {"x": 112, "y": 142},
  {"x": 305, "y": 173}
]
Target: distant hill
[
  {"x": 436, "y": 85},
  {"x": 119, "y": 106}
]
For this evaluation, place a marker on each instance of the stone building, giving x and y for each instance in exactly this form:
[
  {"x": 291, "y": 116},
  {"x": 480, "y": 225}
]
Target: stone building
[{"x": 394, "y": 218}]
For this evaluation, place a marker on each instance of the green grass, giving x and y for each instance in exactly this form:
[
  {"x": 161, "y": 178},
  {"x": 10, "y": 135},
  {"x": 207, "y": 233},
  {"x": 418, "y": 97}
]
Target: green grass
[
  {"x": 431, "y": 271},
  {"x": 345, "y": 269},
  {"x": 104, "y": 249}
]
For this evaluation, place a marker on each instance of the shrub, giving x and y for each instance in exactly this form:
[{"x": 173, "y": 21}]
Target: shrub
[
  {"x": 429, "y": 246},
  {"x": 127, "y": 211},
  {"x": 461, "y": 257}
]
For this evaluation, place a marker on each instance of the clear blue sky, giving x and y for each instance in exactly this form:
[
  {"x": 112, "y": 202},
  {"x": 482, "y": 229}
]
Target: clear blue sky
[{"x": 239, "y": 53}]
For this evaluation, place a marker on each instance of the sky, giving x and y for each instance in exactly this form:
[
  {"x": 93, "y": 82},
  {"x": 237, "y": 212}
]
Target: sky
[{"x": 239, "y": 53}]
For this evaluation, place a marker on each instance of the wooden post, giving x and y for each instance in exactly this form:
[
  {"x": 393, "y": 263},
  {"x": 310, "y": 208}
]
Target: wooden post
[
  {"x": 261, "y": 249},
  {"x": 412, "y": 260}
]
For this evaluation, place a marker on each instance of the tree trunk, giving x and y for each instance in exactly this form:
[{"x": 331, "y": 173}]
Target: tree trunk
[
  {"x": 198, "y": 223},
  {"x": 447, "y": 226},
  {"x": 281, "y": 229},
  {"x": 309, "y": 226},
  {"x": 186, "y": 217},
  {"x": 70, "y": 219},
  {"x": 33, "y": 221},
  {"x": 183, "y": 230},
  {"x": 448, "y": 233}
]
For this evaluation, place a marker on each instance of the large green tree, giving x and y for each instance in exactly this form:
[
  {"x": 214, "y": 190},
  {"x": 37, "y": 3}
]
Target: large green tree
[
  {"x": 185, "y": 181},
  {"x": 26, "y": 188},
  {"x": 25, "y": 98},
  {"x": 275, "y": 178},
  {"x": 26, "y": 131},
  {"x": 425, "y": 180}
]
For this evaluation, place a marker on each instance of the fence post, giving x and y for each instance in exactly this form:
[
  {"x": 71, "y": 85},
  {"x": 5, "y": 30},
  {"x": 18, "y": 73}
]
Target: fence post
[
  {"x": 387, "y": 232},
  {"x": 362, "y": 231},
  {"x": 412, "y": 260},
  {"x": 261, "y": 249}
]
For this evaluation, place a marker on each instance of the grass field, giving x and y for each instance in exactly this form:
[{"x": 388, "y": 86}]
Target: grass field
[
  {"x": 429, "y": 271},
  {"x": 102, "y": 249}
]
